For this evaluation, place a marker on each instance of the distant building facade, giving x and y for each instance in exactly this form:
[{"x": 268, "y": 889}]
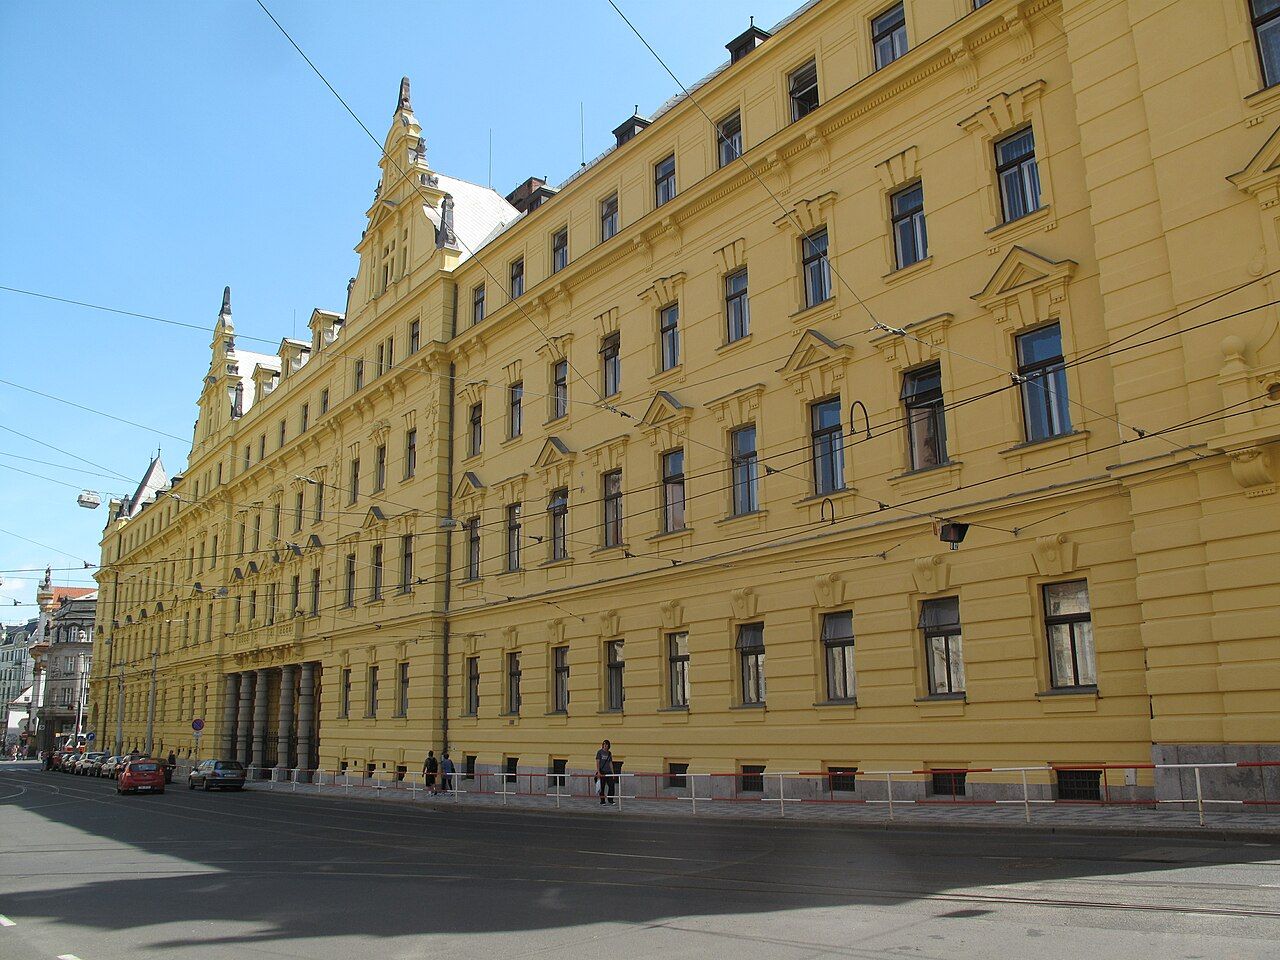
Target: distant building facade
[
  {"x": 61, "y": 653},
  {"x": 15, "y": 677}
]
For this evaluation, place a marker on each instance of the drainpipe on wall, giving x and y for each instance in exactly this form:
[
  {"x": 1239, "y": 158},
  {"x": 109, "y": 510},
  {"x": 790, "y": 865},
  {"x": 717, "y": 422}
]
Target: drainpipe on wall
[{"x": 448, "y": 548}]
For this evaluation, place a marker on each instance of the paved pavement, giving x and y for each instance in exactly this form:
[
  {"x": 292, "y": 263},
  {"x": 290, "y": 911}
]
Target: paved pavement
[
  {"x": 1251, "y": 822},
  {"x": 92, "y": 875}
]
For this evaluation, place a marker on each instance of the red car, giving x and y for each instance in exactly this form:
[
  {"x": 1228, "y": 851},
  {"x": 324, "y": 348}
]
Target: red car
[{"x": 141, "y": 776}]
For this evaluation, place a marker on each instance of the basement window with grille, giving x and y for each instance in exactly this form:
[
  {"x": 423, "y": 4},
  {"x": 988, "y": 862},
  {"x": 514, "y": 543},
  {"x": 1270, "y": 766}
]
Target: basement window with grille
[
  {"x": 1079, "y": 784},
  {"x": 949, "y": 783}
]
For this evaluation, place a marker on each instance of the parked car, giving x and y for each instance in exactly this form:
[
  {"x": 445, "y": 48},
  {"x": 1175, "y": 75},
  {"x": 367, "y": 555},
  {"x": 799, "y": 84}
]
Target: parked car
[
  {"x": 217, "y": 775},
  {"x": 110, "y": 767},
  {"x": 84, "y": 766},
  {"x": 141, "y": 776},
  {"x": 67, "y": 761}
]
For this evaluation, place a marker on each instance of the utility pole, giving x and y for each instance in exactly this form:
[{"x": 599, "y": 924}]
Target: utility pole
[{"x": 151, "y": 703}]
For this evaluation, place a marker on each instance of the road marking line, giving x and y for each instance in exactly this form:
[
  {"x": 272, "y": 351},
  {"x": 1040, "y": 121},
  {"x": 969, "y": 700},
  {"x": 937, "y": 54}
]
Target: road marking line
[
  {"x": 6, "y": 922},
  {"x": 630, "y": 856},
  {"x": 67, "y": 956}
]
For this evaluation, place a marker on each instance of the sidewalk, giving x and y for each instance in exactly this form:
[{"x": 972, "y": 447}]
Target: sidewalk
[{"x": 1259, "y": 824}]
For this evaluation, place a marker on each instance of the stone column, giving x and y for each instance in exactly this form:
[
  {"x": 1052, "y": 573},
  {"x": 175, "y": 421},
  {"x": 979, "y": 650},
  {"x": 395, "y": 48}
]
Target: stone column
[
  {"x": 230, "y": 698},
  {"x": 244, "y": 723},
  {"x": 284, "y": 724},
  {"x": 306, "y": 716},
  {"x": 260, "y": 691}
]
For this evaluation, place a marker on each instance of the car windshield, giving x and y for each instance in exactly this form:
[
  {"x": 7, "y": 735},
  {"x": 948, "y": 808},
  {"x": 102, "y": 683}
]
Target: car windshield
[
  {"x": 228, "y": 765},
  {"x": 143, "y": 767}
]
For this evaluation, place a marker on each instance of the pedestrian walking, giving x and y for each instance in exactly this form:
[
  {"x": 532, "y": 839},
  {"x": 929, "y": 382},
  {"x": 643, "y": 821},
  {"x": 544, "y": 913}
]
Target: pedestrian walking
[
  {"x": 170, "y": 765},
  {"x": 430, "y": 767},
  {"x": 604, "y": 772},
  {"x": 447, "y": 771}
]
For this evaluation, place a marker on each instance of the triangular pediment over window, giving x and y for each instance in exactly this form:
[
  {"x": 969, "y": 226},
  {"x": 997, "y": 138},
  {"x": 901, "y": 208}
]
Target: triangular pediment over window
[
  {"x": 1022, "y": 269},
  {"x": 813, "y": 349},
  {"x": 663, "y": 408},
  {"x": 313, "y": 543},
  {"x": 554, "y": 451},
  {"x": 469, "y": 485},
  {"x": 817, "y": 365},
  {"x": 1261, "y": 176},
  {"x": 374, "y": 517}
]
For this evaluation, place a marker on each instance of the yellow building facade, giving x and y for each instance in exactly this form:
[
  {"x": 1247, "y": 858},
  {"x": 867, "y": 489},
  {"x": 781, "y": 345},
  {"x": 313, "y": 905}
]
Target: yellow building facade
[{"x": 671, "y": 455}]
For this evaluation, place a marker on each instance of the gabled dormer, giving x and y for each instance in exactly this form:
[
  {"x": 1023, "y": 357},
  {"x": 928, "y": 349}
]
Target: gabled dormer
[{"x": 325, "y": 327}]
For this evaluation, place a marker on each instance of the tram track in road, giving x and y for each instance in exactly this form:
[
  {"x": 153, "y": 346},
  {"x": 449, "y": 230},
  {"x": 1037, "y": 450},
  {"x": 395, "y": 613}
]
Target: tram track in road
[{"x": 481, "y": 858}]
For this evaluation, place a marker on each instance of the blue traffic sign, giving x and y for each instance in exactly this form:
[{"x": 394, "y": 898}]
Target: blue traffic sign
[
  {"x": 197, "y": 724},
  {"x": 91, "y": 736}
]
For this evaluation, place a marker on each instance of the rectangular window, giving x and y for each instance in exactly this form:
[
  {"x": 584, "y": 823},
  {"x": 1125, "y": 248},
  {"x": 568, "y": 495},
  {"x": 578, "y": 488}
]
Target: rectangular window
[
  {"x": 664, "y": 180},
  {"x": 406, "y": 563},
  {"x": 889, "y": 36},
  {"x": 558, "y": 778},
  {"x": 814, "y": 268},
  {"x": 415, "y": 336},
  {"x": 751, "y": 779},
  {"x": 803, "y": 88},
  {"x": 611, "y": 484},
  {"x": 1045, "y": 410},
  {"x": 473, "y": 548},
  {"x": 744, "y": 466},
  {"x": 910, "y": 240},
  {"x": 560, "y": 670},
  {"x": 257, "y": 535},
  {"x": 669, "y": 335},
  {"x": 473, "y": 686},
  {"x": 402, "y": 690},
  {"x": 615, "y": 663},
  {"x": 513, "y": 683},
  {"x": 353, "y": 492},
  {"x": 828, "y": 446},
  {"x": 315, "y": 591},
  {"x": 295, "y": 596},
  {"x": 475, "y": 438},
  {"x": 678, "y": 669},
  {"x": 477, "y": 304},
  {"x": 558, "y": 521},
  {"x": 560, "y": 389},
  {"x": 559, "y": 249},
  {"x": 948, "y": 783},
  {"x": 410, "y": 453},
  {"x": 677, "y": 776},
  {"x": 751, "y": 661},
  {"x": 611, "y": 365},
  {"x": 375, "y": 573},
  {"x": 517, "y": 278},
  {"x": 673, "y": 517},
  {"x": 837, "y": 644},
  {"x": 380, "y": 467},
  {"x": 1079, "y": 785},
  {"x": 304, "y": 418},
  {"x": 515, "y": 409},
  {"x": 926, "y": 422},
  {"x": 608, "y": 217},
  {"x": 513, "y": 536},
  {"x": 359, "y": 374},
  {"x": 944, "y": 656},
  {"x": 842, "y": 779},
  {"x": 324, "y": 401},
  {"x": 1018, "y": 175},
  {"x": 729, "y": 138},
  {"x": 275, "y": 525},
  {"x": 349, "y": 594},
  {"x": 736, "y": 307},
  {"x": 512, "y": 770},
  {"x": 297, "y": 511},
  {"x": 319, "y": 504},
  {"x": 371, "y": 708},
  {"x": 1265, "y": 15},
  {"x": 262, "y": 446},
  {"x": 344, "y": 693},
  {"x": 253, "y": 610},
  {"x": 1069, "y": 627}
]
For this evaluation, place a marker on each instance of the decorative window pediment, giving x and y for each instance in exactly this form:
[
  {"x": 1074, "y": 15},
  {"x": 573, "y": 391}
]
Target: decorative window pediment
[
  {"x": 1005, "y": 111},
  {"x": 732, "y": 256},
  {"x": 741, "y": 406},
  {"x": 469, "y": 486},
  {"x": 664, "y": 290},
  {"x": 809, "y": 214},
  {"x": 817, "y": 365},
  {"x": 901, "y": 168},
  {"x": 666, "y": 421},
  {"x": 610, "y": 454},
  {"x": 555, "y": 462},
  {"x": 1261, "y": 176},
  {"x": 1026, "y": 288},
  {"x": 313, "y": 543},
  {"x": 608, "y": 321},
  {"x": 373, "y": 518},
  {"x": 925, "y": 341},
  {"x": 512, "y": 489},
  {"x": 472, "y": 392},
  {"x": 556, "y": 348}
]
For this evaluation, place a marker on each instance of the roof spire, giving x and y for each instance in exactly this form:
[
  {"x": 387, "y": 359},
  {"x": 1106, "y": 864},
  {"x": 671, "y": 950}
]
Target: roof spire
[
  {"x": 404, "y": 103},
  {"x": 226, "y": 302}
]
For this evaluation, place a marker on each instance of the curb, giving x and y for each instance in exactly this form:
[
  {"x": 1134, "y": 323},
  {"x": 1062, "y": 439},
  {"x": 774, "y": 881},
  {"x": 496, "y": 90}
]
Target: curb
[{"x": 1217, "y": 833}]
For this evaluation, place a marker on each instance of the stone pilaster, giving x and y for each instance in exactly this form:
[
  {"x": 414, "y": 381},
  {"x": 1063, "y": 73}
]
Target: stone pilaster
[{"x": 284, "y": 723}]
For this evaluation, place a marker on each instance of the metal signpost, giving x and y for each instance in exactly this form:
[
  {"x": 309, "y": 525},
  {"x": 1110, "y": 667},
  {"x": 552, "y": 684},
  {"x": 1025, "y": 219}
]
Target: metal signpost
[{"x": 197, "y": 727}]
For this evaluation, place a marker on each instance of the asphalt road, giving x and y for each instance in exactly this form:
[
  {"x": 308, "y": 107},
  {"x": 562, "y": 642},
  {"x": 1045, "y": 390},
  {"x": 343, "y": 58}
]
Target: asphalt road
[{"x": 90, "y": 875}]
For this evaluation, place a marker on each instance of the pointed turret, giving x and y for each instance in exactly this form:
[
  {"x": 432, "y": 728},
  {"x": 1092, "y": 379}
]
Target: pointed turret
[
  {"x": 224, "y": 333},
  {"x": 403, "y": 103}
]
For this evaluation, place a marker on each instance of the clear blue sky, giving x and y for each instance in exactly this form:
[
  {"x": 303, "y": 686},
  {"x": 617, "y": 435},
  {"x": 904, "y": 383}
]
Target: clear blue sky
[{"x": 152, "y": 152}]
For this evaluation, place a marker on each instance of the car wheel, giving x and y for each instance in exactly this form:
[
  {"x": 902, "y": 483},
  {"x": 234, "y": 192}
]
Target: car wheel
[
  {"x": 191, "y": 784},
  {"x": 207, "y": 786}
]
